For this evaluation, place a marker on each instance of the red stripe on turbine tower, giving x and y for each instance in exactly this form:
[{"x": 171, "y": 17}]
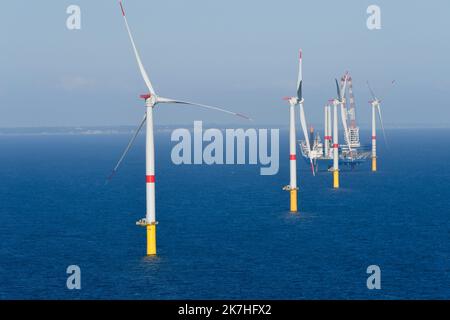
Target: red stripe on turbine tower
[
  {"x": 327, "y": 137},
  {"x": 292, "y": 157},
  {"x": 374, "y": 137},
  {"x": 335, "y": 145},
  {"x": 150, "y": 179}
]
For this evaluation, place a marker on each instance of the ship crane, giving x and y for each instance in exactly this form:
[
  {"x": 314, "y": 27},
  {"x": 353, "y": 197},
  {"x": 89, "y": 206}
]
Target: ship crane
[{"x": 352, "y": 132}]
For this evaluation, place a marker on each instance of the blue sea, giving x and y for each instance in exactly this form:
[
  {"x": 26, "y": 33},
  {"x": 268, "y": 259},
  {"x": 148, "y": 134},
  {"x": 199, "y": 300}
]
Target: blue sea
[{"x": 224, "y": 231}]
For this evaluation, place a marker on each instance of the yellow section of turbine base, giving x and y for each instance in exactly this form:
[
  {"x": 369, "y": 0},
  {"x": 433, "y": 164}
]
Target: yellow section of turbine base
[
  {"x": 293, "y": 194},
  {"x": 151, "y": 239},
  {"x": 336, "y": 179}
]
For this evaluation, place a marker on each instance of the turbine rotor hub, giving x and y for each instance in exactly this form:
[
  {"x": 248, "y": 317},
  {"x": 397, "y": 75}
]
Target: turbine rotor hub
[
  {"x": 150, "y": 99},
  {"x": 293, "y": 100}
]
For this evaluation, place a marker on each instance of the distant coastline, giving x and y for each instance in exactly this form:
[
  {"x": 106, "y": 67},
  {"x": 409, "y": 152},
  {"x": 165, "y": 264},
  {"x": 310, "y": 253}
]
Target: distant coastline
[{"x": 113, "y": 130}]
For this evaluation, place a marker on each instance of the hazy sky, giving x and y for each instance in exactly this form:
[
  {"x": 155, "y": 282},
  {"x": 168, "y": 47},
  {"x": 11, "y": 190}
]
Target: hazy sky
[{"x": 238, "y": 54}]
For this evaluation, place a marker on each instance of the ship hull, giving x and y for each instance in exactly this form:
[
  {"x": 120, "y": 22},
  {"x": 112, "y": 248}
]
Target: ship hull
[{"x": 323, "y": 164}]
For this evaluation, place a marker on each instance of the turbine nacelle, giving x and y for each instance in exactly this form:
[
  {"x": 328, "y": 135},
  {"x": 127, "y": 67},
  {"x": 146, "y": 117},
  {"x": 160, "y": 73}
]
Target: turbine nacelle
[
  {"x": 150, "y": 99},
  {"x": 375, "y": 103},
  {"x": 294, "y": 100},
  {"x": 334, "y": 101},
  {"x": 145, "y": 96}
]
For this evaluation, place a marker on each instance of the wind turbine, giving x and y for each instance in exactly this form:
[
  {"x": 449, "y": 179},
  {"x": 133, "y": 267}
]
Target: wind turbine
[
  {"x": 327, "y": 131},
  {"x": 375, "y": 106},
  {"x": 336, "y": 102},
  {"x": 151, "y": 100},
  {"x": 293, "y": 101}
]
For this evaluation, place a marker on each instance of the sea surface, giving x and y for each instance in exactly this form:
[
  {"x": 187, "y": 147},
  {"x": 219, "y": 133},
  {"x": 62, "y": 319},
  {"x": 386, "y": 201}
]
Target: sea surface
[{"x": 224, "y": 231}]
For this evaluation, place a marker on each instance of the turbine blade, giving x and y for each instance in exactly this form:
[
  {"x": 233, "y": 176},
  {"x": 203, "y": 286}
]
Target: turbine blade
[
  {"x": 167, "y": 100},
  {"x": 371, "y": 91},
  {"x": 338, "y": 90},
  {"x": 300, "y": 77},
  {"x": 136, "y": 53},
  {"x": 382, "y": 126},
  {"x": 127, "y": 148},
  {"x": 305, "y": 133}
]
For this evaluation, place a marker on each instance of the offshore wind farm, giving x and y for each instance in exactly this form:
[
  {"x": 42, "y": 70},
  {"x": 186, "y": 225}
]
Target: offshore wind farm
[{"x": 298, "y": 174}]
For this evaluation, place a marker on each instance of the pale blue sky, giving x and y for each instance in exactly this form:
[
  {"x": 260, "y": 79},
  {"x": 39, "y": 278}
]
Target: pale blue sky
[{"x": 238, "y": 54}]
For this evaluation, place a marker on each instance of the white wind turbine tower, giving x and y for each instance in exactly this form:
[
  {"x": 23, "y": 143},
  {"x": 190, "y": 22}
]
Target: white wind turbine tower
[
  {"x": 293, "y": 101},
  {"x": 151, "y": 100},
  {"x": 327, "y": 131},
  {"x": 375, "y": 107},
  {"x": 340, "y": 100}
]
